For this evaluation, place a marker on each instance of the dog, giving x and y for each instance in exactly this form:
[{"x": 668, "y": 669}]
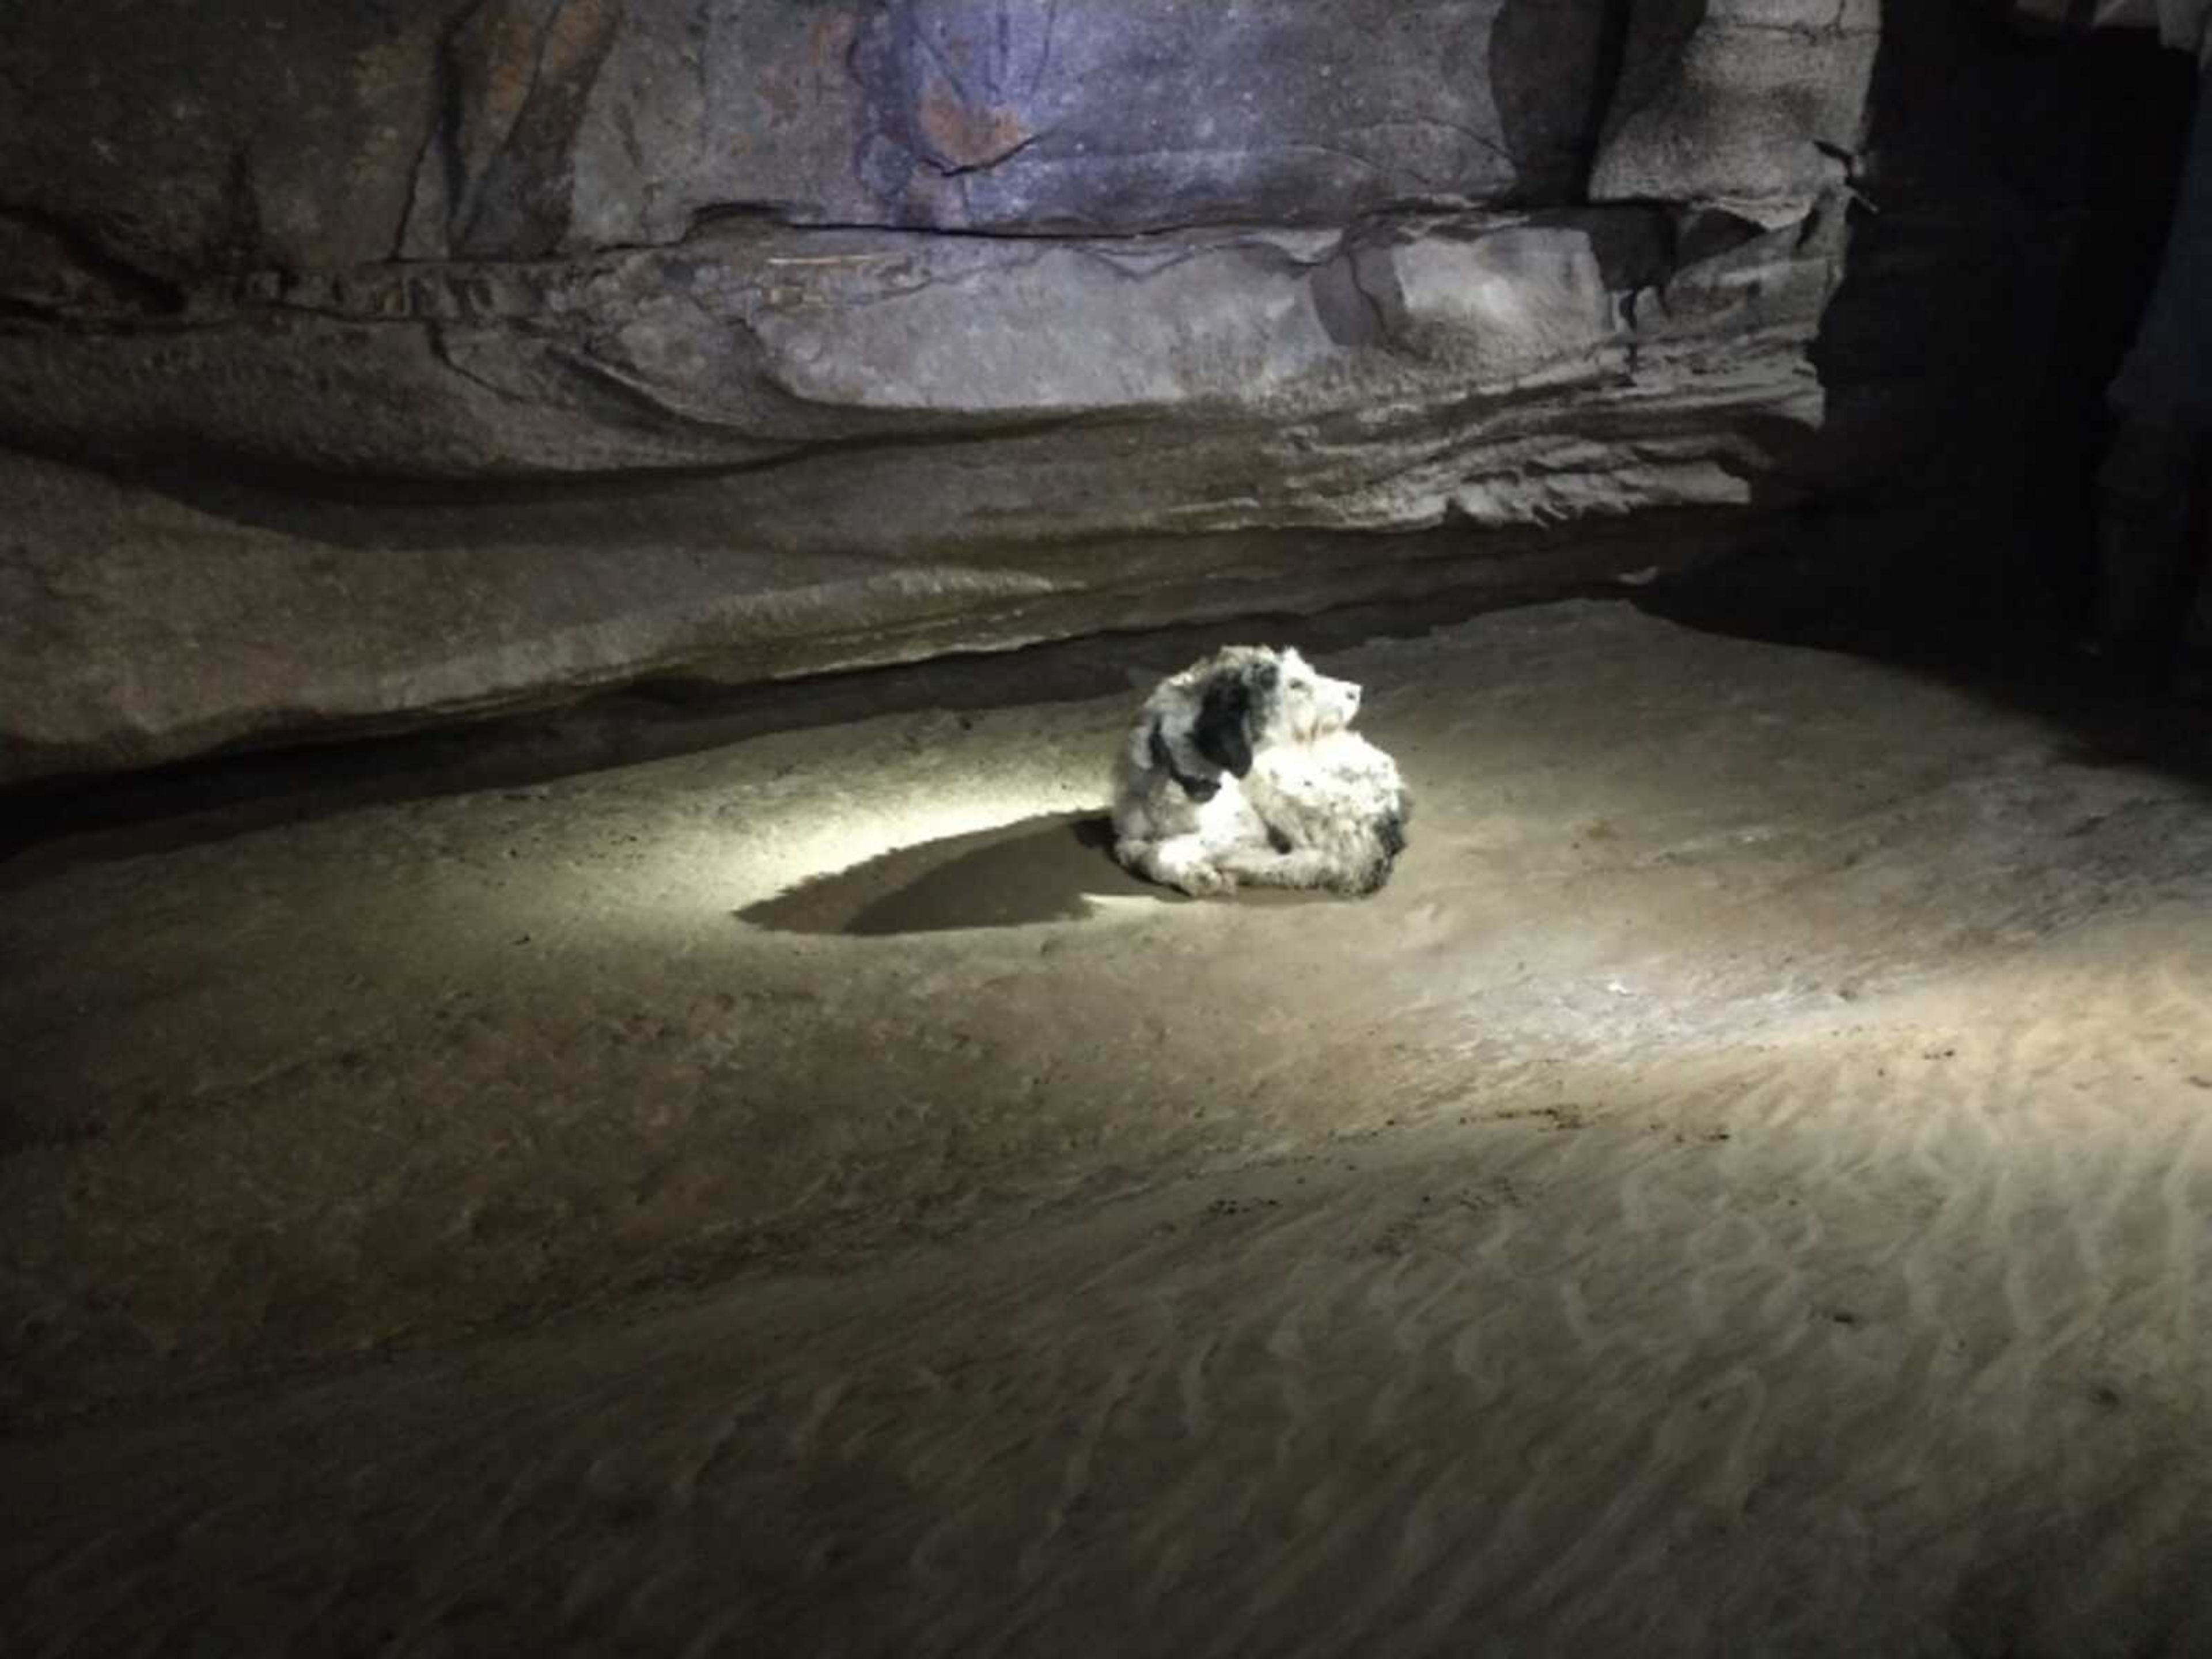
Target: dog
[{"x": 1243, "y": 770}]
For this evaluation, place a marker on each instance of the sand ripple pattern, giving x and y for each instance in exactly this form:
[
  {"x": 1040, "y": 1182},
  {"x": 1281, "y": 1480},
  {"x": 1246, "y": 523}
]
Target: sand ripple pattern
[{"x": 1886, "y": 1336}]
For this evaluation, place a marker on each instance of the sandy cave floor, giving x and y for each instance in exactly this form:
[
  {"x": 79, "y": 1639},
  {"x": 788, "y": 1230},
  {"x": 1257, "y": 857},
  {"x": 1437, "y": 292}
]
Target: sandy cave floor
[{"x": 1742, "y": 1189}]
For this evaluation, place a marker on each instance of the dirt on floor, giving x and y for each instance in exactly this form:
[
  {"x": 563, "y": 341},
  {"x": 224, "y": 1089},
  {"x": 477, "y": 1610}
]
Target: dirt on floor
[{"x": 1740, "y": 1188}]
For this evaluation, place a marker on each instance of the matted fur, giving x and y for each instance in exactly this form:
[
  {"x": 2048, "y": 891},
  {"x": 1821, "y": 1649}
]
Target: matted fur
[{"x": 1243, "y": 769}]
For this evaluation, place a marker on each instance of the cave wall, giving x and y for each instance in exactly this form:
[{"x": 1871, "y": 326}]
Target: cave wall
[
  {"x": 363, "y": 366},
  {"x": 2022, "y": 185}
]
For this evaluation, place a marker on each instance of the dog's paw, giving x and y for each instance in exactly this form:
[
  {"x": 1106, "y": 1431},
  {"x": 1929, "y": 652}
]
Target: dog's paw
[{"x": 1204, "y": 881}]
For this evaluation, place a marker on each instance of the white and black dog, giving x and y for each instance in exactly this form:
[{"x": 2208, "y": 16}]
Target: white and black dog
[{"x": 1244, "y": 769}]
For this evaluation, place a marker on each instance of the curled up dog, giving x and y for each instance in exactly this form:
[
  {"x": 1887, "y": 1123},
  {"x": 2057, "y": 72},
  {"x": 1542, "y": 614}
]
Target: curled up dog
[{"x": 1243, "y": 770}]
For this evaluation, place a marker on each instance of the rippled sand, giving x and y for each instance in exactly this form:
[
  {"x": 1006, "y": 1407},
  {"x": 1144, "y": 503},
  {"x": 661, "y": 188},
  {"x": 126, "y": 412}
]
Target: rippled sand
[{"x": 1743, "y": 1188}]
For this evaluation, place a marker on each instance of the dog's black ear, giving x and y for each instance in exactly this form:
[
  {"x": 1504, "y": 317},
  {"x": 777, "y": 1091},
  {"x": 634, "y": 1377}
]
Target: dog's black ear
[
  {"x": 1219, "y": 732},
  {"x": 1264, "y": 684}
]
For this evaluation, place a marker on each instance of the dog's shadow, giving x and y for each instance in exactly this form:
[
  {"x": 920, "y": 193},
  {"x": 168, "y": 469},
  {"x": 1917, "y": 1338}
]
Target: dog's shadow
[
  {"x": 1036, "y": 871},
  {"x": 1039, "y": 870}
]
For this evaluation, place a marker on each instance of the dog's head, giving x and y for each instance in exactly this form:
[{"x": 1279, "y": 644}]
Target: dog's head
[{"x": 1248, "y": 698}]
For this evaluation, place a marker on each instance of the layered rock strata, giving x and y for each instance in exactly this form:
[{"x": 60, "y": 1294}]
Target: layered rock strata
[{"x": 366, "y": 366}]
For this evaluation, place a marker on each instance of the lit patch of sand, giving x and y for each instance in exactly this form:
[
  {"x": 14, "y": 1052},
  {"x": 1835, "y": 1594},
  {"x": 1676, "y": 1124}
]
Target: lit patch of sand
[{"x": 1742, "y": 1188}]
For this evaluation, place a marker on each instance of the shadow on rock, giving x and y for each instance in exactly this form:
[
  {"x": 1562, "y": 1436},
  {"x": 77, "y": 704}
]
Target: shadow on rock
[
  {"x": 1536, "y": 46},
  {"x": 1015, "y": 876}
]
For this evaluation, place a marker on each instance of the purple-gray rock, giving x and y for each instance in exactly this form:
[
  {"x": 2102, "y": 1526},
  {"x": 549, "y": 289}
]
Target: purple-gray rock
[{"x": 384, "y": 364}]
